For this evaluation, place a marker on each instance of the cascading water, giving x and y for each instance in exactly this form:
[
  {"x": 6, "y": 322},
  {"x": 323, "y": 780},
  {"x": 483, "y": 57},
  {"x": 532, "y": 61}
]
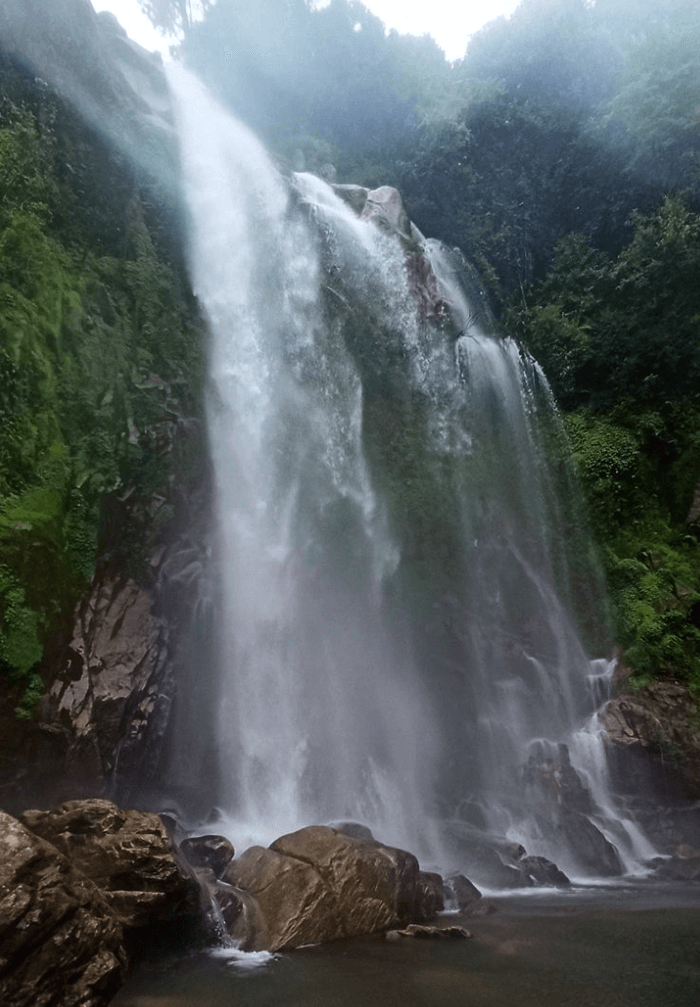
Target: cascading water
[{"x": 396, "y": 643}]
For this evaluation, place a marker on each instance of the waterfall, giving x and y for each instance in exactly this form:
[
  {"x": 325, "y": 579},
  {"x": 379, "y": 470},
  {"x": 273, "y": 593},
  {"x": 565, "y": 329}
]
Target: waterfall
[{"x": 400, "y": 617}]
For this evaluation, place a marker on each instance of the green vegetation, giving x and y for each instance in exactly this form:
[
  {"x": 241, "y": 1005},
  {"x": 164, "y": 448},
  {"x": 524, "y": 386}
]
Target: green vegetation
[{"x": 100, "y": 366}]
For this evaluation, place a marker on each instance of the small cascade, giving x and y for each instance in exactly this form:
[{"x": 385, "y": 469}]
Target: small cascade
[
  {"x": 405, "y": 575},
  {"x": 588, "y": 754}
]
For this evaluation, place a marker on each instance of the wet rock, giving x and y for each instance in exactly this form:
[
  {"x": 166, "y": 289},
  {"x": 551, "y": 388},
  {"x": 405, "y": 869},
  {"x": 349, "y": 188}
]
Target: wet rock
[
  {"x": 215, "y": 852},
  {"x": 684, "y": 865},
  {"x": 431, "y": 895},
  {"x": 543, "y": 872},
  {"x": 126, "y": 854},
  {"x": 295, "y": 905},
  {"x": 660, "y": 723},
  {"x": 550, "y": 776},
  {"x": 60, "y": 944},
  {"x": 465, "y": 894},
  {"x": 423, "y": 932},
  {"x": 385, "y": 207},
  {"x": 589, "y": 845},
  {"x": 354, "y": 195},
  {"x": 242, "y": 916},
  {"x": 479, "y": 853},
  {"x": 563, "y": 808},
  {"x": 432, "y": 306},
  {"x": 352, "y": 829},
  {"x": 319, "y": 885}
]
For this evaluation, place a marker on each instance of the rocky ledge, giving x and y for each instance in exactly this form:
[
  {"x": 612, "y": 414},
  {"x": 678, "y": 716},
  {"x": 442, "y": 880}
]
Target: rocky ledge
[
  {"x": 84, "y": 886},
  {"x": 78, "y": 886}
]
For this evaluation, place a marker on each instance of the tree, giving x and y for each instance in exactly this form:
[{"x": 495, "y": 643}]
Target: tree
[
  {"x": 658, "y": 103},
  {"x": 174, "y": 17}
]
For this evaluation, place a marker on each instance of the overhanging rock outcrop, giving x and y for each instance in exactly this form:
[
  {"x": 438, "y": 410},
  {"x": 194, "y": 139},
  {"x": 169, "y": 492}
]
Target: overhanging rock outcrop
[{"x": 128, "y": 855}]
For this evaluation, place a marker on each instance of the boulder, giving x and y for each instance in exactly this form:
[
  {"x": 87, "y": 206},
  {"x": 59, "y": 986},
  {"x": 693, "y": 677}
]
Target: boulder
[
  {"x": 431, "y": 895},
  {"x": 385, "y": 207},
  {"x": 126, "y": 854},
  {"x": 595, "y": 853},
  {"x": 543, "y": 872},
  {"x": 684, "y": 865},
  {"x": 429, "y": 933},
  {"x": 465, "y": 894},
  {"x": 371, "y": 881},
  {"x": 60, "y": 944},
  {"x": 214, "y": 852},
  {"x": 353, "y": 829},
  {"x": 295, "y": 905},
  {"x": 318, "y": 885},
  {"x": 240, "y": 915}
]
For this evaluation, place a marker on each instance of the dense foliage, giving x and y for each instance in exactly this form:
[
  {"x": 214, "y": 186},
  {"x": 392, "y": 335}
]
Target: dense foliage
[{"x": 99, "y": 364}]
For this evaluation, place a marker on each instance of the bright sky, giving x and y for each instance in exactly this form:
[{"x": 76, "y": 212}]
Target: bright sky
[{"x": 450, "y": 22}]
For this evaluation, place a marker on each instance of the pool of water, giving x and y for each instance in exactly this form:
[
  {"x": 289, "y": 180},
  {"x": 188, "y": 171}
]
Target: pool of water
[{"x": 603, "y": 947}]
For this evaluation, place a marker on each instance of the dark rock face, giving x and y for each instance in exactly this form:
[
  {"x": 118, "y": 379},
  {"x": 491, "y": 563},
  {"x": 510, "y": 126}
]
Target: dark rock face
[
  {"x": 319, "y": 885},
  {"x": 60, "y": 944},
  {"x": 101, "y": 728},
  {"x": 108, "y": 716},
  {"x": 479, "y": 853},
  {"x": 544, "y": 872},
  {"x": 684, "y": 865},
  {"x": 465, "y": 894},
  {"x": 660, "y": 723},
  {"x": 126, "y": 854},
  {"x": 214, "y": 852},
  {"x": 431, "y": 894},
  {"x": 562, "y": 805}
]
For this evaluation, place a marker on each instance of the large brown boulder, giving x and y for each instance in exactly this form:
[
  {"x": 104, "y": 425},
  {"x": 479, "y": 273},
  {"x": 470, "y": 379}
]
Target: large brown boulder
[
  {"x": 60, "y": 944},
  {"x": 295, "y": 904},
  {"x": 127, "y": 854},
  {"x": 319, "y": 885}
]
